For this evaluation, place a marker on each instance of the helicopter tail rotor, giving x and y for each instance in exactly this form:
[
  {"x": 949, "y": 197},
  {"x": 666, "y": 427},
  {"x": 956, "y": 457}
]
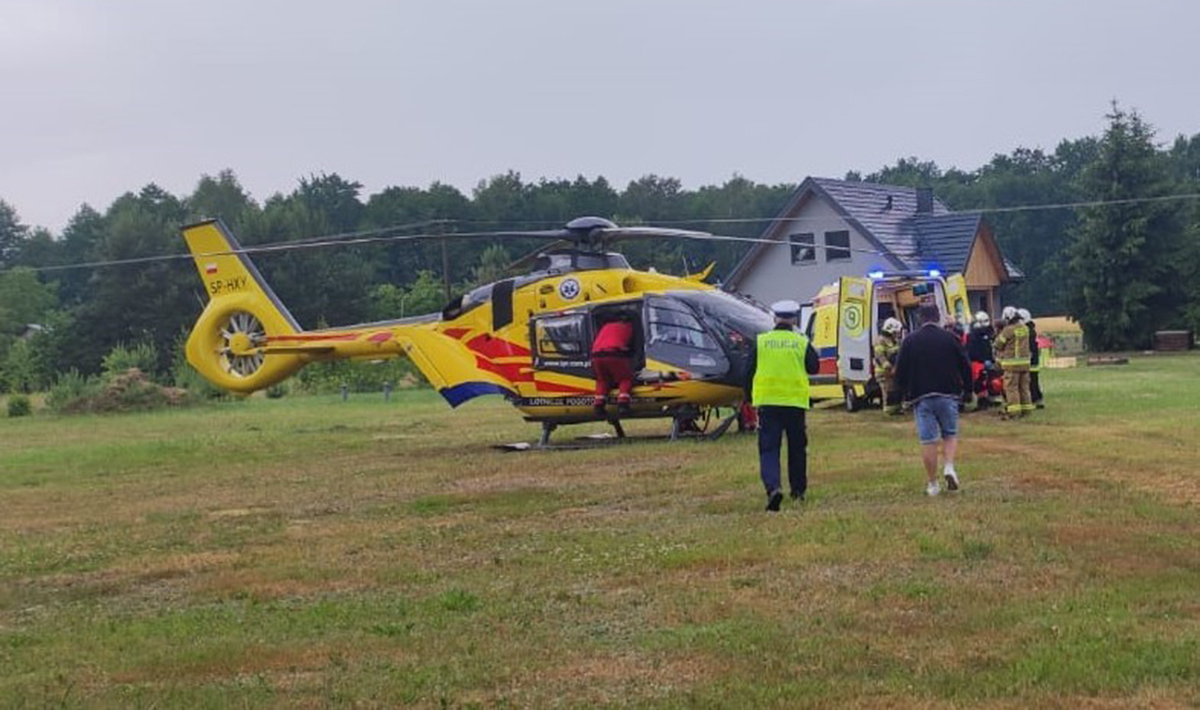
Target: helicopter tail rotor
[{"x": 227, "y": 344}]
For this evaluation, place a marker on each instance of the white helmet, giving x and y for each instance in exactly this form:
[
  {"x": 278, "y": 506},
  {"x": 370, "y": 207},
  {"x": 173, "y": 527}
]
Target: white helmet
[
  {"x": 1009, "y": 313},
  {"x": 891, "y": 326},
  {"x": 1025, "y": 315},
  {"x": 982, "y": 319}
]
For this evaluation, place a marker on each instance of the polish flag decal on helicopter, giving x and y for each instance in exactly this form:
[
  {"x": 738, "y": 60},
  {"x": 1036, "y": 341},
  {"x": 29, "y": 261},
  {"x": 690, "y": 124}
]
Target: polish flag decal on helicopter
[{"x": 210, "y": 268}]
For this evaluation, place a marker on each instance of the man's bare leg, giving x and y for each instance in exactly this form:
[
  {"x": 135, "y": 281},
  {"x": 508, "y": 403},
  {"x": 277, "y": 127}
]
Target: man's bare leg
[
  {"x": 951, "y": 448},
  {"x": 929, "y": 455},
  {"x": 950, "y": 444}
]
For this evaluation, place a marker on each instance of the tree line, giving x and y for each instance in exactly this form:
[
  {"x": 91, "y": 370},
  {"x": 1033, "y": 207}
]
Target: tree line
[{"x": 1123, "y": 270}]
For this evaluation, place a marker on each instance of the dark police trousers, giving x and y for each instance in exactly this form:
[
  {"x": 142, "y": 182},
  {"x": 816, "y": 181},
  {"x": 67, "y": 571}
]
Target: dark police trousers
[{"x": 773, "y": 421}]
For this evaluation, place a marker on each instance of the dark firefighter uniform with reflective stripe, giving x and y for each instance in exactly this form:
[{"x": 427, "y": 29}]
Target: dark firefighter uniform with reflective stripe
[
  {"x": 1035, "y": 366},
  {"x": 778, "y": 386},
  {"x": 1012, "y": 352}
]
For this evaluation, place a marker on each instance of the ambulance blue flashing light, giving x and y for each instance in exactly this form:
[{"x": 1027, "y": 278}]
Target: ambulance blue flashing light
[
  {"x": 934, "y": 273},
  {"x": 874, "y": 274}
]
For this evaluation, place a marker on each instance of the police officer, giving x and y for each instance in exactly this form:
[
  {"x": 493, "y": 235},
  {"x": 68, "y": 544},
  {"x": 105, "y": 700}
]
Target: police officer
[
  {"x": 1012, "y": 350},
  {"x": 777, "y": 385},
  {"x": 886, "y": 350}
]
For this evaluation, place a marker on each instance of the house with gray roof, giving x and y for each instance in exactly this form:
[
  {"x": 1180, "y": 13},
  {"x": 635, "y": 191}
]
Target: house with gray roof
[{"x": 833, "y": 228}]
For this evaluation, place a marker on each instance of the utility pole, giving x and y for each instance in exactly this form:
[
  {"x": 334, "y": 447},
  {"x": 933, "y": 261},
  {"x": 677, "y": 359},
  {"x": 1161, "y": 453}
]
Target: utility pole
[{"x": 446, "y": 269}]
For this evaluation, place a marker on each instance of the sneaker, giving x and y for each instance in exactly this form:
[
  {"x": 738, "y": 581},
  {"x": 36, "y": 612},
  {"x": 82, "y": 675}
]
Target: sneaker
[
  {"x": 951, "y": 477},
  {"x": 774, "y": 500},
  {"x": 933, "y": 488}
]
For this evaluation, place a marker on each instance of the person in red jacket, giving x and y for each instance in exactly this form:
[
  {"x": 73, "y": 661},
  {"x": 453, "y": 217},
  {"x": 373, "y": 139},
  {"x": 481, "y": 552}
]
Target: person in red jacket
[{"x": 612, "y": 362}]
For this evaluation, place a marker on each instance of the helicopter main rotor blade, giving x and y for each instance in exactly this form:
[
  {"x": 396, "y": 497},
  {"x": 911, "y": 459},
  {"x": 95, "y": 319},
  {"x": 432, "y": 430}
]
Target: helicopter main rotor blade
[{"x": 621, "y": 234}]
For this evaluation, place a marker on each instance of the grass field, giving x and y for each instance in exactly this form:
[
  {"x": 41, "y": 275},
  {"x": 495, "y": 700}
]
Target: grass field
[{"x": 309, "y": 552}]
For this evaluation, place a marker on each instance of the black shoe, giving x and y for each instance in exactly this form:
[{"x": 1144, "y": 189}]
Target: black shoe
[
  {"x": 798, "y": 496},
  {"x": 774, "y": 500}
]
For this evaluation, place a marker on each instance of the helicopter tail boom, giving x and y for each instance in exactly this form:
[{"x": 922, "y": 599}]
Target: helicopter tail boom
[{"x": 226, "y": 344}]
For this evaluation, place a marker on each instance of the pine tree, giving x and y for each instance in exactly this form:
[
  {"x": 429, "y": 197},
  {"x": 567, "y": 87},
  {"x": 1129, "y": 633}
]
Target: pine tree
[
  {"x": 1121, "y": 255},
  {"x": 12, "y": 234}
]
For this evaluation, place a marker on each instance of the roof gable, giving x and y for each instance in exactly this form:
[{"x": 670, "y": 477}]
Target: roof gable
[{"x": 887, "y": 216}]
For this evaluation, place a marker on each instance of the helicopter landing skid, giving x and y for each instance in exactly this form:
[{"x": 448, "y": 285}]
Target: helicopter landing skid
[
  {"x": 682, "y": 427},
  {"x": 549, "y": 427}
]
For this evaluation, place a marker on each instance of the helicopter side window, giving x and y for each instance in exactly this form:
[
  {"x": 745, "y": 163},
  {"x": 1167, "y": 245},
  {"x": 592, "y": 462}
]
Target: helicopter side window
[
  {"x": 561, "y": 337},
  {"x": 678, "y": 327},
  {"x": 676, "y": 336}
]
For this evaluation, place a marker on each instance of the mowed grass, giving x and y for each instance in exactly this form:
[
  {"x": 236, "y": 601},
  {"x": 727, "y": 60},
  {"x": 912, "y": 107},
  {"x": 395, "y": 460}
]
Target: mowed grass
[{"x": 309, "y": 552}]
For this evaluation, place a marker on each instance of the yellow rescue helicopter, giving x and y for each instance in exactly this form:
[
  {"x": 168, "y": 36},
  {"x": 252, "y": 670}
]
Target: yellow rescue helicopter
[{"x": 526, "y": 338}]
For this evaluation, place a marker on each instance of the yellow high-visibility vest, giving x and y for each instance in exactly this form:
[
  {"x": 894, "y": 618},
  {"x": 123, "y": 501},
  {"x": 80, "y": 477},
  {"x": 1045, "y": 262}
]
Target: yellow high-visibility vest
[{"x": 779, "y": 377}]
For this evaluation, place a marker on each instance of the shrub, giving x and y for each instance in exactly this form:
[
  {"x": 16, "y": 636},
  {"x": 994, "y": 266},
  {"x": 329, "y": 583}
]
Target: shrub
[
  {"x": 20, "y": 368},
  {"x": 277, "y": 391},
  {"x": 142, "y": 356},
  {"x": 19, "y": 406},
  {"x": 119, "y": 393},
  {"x": 69, "y": 388},
  {"x": 185, "y": 377},
  {"x": 327, "y": 377}
]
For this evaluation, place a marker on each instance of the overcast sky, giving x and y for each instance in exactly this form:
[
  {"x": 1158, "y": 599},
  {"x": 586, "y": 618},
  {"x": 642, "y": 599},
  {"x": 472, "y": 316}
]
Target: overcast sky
[{"x": 104, "y": 97}]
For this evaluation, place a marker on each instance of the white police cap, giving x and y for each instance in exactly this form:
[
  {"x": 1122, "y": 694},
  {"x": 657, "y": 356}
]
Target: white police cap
[{"x": 785, "y": 308}]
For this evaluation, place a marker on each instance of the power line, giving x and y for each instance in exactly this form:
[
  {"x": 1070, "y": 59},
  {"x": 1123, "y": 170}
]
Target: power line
[
  {"x": 389, "y": 235},
  {"x": 975, "y": 211}
]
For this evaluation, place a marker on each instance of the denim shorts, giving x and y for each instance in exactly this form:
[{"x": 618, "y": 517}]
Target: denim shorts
[{"x": 937, "y": 418}]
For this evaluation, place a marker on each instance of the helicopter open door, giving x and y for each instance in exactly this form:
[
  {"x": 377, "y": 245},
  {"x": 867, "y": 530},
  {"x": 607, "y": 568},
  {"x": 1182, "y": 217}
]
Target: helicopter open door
[{"x": 854, "y": 329}]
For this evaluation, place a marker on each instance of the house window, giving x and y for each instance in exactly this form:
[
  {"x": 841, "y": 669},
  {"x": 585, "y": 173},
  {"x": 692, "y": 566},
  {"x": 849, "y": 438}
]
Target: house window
[
  {"x": 802, "y": 248},
  {"x": 837, "y": 246}
]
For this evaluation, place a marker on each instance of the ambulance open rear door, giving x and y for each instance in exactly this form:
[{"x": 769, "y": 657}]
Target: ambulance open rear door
[
  {"x": 854, "y": 338},
  {"x": 956, "y": 299}
]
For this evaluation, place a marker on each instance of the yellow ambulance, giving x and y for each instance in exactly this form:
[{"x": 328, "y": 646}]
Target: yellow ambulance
[{"x": 843, "y": 322}]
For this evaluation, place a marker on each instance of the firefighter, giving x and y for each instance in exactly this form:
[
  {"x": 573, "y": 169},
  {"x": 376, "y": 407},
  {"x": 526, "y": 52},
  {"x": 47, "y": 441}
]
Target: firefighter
[
  {"x": 777, "y": 385},
  {"x": 1035, "y": 360},
  {"x": 886, "y": 349},
  {"x": 612, "y": 362},
  {"x": 983, "y": 366},
  {"x": 1012, "y": 350}
]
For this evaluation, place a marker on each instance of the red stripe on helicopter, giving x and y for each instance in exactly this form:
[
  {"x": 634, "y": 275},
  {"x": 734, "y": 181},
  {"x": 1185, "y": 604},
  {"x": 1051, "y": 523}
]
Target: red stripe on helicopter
[
  {"x": 515, "y": 373},
  {"x": 521, "y": 373},
  {"x": 491, "y": 347},
  {"x": 488, "y": 348},
  {"x": 312, "y": 336}
]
